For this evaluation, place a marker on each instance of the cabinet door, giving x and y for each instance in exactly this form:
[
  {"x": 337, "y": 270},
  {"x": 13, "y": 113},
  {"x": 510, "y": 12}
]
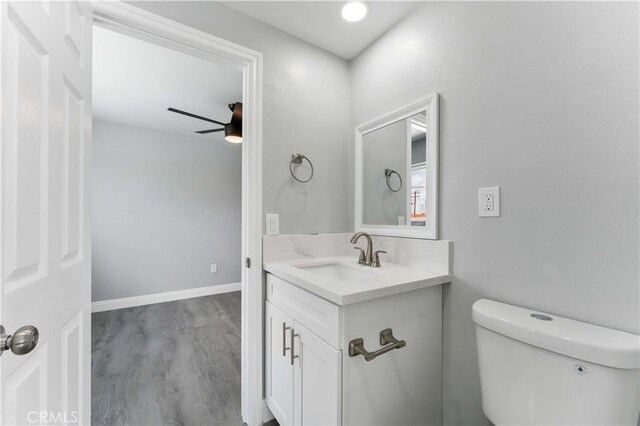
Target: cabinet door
[
  {"x": 318, "y": 380},
  {"x": 278, "y": 368}
]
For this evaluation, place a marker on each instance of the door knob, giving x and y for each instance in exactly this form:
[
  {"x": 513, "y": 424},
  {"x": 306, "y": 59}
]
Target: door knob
[{"x": 21, "y": 342}]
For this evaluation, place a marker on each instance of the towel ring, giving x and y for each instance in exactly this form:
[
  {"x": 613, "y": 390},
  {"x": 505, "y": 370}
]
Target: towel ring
[
  {"x": 387, "y": 175},
  {"x": 297, "y": 159}
]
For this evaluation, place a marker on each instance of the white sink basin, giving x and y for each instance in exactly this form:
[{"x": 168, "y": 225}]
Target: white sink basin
[{"x": 336, "y": 271}]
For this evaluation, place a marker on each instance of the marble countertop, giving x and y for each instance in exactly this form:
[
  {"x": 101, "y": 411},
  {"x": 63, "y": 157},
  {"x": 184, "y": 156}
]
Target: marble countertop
[{"x": 359, "y": 283}]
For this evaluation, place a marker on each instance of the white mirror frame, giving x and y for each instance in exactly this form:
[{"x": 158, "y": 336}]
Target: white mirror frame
[{"x": 431, "y": 104}]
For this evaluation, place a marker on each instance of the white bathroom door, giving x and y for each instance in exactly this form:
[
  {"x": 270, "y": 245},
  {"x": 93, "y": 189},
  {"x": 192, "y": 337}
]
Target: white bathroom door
[{"x": 45, "y": 238}]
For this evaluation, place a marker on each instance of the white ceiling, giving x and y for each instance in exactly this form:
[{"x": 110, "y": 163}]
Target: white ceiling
[
  {"x": 320, "y": 22},
  {"x": 134, "y": 82}
]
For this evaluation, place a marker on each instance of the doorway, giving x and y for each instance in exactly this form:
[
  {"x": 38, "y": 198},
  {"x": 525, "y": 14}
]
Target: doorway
[
  {"x": 166, "y": 227},
  {"x": 134, "y": 22}
]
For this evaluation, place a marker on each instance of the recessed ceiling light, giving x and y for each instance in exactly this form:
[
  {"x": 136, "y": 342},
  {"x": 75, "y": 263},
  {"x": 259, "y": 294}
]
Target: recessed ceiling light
[{"x": 354, "y": 11}]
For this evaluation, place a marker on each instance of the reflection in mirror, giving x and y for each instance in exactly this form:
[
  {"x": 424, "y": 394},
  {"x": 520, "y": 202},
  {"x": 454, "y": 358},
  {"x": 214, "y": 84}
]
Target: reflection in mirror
[
  {"x": 396, "y": 162},
  {"x": 395, "y": 173}
]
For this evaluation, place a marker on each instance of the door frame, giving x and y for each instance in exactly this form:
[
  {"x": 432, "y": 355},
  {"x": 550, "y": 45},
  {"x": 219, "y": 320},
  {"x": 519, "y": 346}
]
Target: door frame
[{"x": 139, "y": 23}]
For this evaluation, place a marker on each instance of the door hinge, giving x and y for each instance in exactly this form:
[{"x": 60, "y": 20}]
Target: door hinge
[{"x": 248, "y": 262}]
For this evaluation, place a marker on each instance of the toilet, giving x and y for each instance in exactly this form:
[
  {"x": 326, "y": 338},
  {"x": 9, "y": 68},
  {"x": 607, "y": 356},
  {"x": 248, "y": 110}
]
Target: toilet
[{"x": 542, "y": 369}]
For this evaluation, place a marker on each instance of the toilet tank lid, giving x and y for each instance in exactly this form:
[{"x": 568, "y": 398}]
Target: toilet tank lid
[{"x": 575, "y": 339}]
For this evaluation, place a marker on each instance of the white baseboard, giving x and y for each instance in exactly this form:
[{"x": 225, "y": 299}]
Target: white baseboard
[{"x": 149, "y": 299}]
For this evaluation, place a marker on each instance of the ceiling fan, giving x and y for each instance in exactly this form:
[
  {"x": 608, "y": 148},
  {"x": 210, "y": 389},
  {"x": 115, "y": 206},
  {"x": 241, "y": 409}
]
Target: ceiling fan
[{"x": 232, "y": 129}]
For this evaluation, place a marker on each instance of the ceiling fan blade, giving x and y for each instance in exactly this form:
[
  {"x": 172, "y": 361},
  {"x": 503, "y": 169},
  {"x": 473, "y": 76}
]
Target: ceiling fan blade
[
  {"x": 188, "y": 114},
  {"x": 202, "y": 132}
]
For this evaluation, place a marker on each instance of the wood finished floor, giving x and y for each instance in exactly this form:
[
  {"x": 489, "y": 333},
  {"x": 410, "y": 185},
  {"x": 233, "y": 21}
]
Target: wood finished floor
[{"x": 174, "y": 363}]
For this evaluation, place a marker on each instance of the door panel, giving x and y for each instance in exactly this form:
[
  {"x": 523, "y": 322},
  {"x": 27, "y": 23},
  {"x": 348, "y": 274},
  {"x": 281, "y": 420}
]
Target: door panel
[
  {"x": 25, "y": 129},
  {"x": 45, "y": 141},
  {"x": 318, "y": 380},
  {"x": 25, "y": 391},
  {"x": 73, "y": 364},
  {"x": 72, "y": 176},
  {"x": 74, "y": 31},
  {"x": 279, "y": 371}
]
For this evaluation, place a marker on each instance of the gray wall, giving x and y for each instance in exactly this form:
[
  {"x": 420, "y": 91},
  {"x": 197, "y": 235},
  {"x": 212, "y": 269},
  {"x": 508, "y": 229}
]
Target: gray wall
[
  {"x": 541, "y": 99},
  {"x": 306, "y": 110},
  {"x": 165, "y": 207}
]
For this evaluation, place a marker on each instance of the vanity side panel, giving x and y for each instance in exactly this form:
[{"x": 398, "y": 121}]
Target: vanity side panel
[{"x": 401, "y": 387}]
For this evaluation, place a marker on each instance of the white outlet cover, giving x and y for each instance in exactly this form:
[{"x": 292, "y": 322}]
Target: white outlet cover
[
  {"x": 489, "y": 202},
  {"x": 214, "y": 268}
]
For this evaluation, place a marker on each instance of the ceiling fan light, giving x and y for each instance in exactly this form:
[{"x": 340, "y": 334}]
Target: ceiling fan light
[
  {"x": 233, "y": 139},
  {"x": 233, "y": 130}
]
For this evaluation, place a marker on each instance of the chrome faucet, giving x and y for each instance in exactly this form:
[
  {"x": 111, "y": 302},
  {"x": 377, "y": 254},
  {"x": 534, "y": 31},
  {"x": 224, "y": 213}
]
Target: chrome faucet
[{"x": 369, "y": 258}]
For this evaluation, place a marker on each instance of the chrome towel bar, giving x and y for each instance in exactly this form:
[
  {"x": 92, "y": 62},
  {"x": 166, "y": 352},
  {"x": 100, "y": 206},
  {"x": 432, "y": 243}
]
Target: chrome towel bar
[{"x": 356, "y": 346}]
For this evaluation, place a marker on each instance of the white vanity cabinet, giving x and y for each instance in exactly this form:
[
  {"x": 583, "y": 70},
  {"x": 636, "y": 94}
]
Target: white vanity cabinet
[{"x": 312, "y": 380}]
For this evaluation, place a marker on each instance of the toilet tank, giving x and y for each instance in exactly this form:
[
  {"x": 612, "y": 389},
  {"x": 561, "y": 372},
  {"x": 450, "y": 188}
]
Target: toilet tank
[{"x": 542, "y": 369}]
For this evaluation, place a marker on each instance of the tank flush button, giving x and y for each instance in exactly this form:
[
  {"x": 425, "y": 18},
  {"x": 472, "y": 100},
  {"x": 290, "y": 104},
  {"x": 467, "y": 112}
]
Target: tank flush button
[
  {"x": 581, "y": 369},
  {"x": 542, "y": 317}
]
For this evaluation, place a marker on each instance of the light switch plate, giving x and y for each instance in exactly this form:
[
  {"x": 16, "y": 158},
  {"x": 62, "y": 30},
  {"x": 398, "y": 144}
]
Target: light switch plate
[
  {"x": 273, "y": 224},
  {"x": 489, "y": 202}
]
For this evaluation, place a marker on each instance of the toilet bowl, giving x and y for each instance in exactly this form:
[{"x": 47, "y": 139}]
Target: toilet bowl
[{"x": 542, "y": 369}]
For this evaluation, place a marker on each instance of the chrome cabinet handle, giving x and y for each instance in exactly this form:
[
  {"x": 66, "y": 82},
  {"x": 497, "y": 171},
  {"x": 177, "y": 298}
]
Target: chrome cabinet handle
[
  {"x": 23, "y": 341},
  {"x": 284, "y": 339},
  {"x": 356, "y": 346},
  {"x": 293, "y": 336}
]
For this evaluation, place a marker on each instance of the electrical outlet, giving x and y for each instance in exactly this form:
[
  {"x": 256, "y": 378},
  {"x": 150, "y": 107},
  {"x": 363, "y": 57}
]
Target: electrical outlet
[
  {"x": 214, "y": 268},
  {"x": 489, "y": 202}
]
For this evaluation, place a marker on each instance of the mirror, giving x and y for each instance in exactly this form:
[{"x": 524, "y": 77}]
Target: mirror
[{"x": 397, "y": 173}]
